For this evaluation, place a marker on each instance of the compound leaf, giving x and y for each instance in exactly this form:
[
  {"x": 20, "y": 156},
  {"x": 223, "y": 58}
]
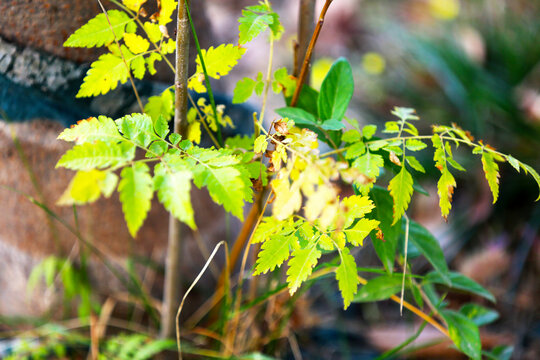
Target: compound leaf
[
  {"x": 358, "y": 232},
  {"x": 219, "y": 61},
  {"x": 97, "y": 155},
  {"x": 103, "y": 76},
  {"x": 274, "y": 252},
  {"x": 92, "y": 130}
]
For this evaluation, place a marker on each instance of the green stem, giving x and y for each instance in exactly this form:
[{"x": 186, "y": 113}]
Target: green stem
[{"x": 206, "y": 77}]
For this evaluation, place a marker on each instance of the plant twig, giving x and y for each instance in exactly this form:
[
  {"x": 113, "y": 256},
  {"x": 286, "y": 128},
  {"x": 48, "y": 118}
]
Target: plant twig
[
  {"x": 174, "y": 245},
  {"x": 309, "y": 52},
  {"x": 123, "y": 58},
  {"x": 306, "y": 24}
]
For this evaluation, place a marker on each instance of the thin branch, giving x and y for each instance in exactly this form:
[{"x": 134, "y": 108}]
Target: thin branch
[
  {"x": 306, "y": 24},
  {"x": 307, "y": 59},
  {"x": 123, "y": 58}
]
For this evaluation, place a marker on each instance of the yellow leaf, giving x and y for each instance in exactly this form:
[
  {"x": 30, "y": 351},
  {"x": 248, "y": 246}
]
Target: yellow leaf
[
  {"x": 134, "y": 5},
  {"x": 194, "y": 132},
  {"x": 136, "y": 43}
]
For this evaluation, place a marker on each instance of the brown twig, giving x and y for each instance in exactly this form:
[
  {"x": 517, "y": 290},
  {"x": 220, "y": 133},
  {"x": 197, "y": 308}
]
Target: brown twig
[
  {"x": 306, "y": 24},
  {"x": 309, "y": 52}
]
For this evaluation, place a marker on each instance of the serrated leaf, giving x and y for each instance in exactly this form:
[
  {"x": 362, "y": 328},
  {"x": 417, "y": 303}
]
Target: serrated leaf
[
  {"x": 391, "y": 127},
  {"x": 160, "y": 105},
  {"x": 97, "y": 155},
  {"x": 97, "y": 31},
  {"x": 455, "y": 164},
  {"x": 267, "y": 227},
  {"x": 253, "y": 22},
  {"x": 194, "y": 132},
  {"x": 358, "y": 232},
  {"x": 136, "y": 43},
  {"x": 260, "y": 144},
  {"x": 347, "y": 277},
  {"x": 491, "y": 170},
  {"x": 461, "y": 282},
  {"x": 357, "y": 206},
  {"x": 355, "y": 150},
  {"x": 153, "y": 31},
  {"x": 91, "y": 130},
  {"x": 385, "y": 248},
  {"x": 157, "y": 148},
  {"x": 274, "y": 252},
  {"x": 173, "y": 189},
  {"x": 136, "y": 193},
  {"x": 401, "y": 189},
  {"x": 166, "y": 10},
  {"x": 426, "y": 243},
  {"x": 368, "y": 131},
  {"x": 351, "y": 136},
  {"x": 369, "y": 164},
  {"x": 533, "y": 173},
  {"x": 134, "y": 5},
  {"x": 301, "y": 266},
  {"x": 445, "y": 190},
  {"x": 415, "y": 144},
  {"x": 379, "y": 288},
  {"x": 225, "y": 186},
  {"x": 243, "y": 90},
  {"x": 103, "y": 76},
  {"x": 84, "y": 188},
  {"x": 137, "y": 127},
  {"x": 415, "y": 164},
  {"x": 336, "y": 91},
  {"x": 513, "y": 162},
  {"x": 464, "y": 333},
  {"x": 150, "y": 62},
  {"x": 219, "y": 61},
  {"x": 137, "y": 66}
]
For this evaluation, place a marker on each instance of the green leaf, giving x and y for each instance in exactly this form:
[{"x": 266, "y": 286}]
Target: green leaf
[
  {"x": 460, "y": 282},
  {"x": 426, "y": 243},
  {"x": 274, "y": 252},
  {"x": 97, "y": 155},
  {"x": 480, "y": 315},
  {"x": 385, "y": 249},
  {"x": 501, "y": 352},
  {"x": 369, "y": 164},
  {"x": 401, "y": 189},
  {"x": 336, "y": 91},
  {"x": 355, "y": 150},
  {"x": 137, "y": 66},
  {"x": 104, "y": 75},
  {"x": 300, "y": 117},
  {"x": 491, "y": 169},
  {"x": 301, "y": 266},
  {"x": 351, "y": 136},
  {"x": 455, "y": 164},
  {"x": 368, "y": 131},
  {"x": 445, "y": 190},
  {"x": 464, "y": 333},
  {"x": 136, "y": 193},
  {"x": 152, "y": 348},
  {"x": 160, "y": 105},
  {"x": 137, "y": 127},
  {"x": 267, "y": 227},
  {"x": 92, "y": 130},
  {"x": 253, "y": 22},
  {"x": 243, "y": 90},
  {"x": 87, "y": 186},
  {"x": 173, "y": 189},
  {"x": 97, "y": 31},
  {"x": 358, "y": 232},
  {"x": 260, "y": 144},
  {"x": 533, "y": 173},
  {"x": 226, "y": 187},
  {"x": 415, "y": 144},
  {"x": 287, "y": 83},
  {"x": 219, "y": 61},
  {"x": 332, "y": 124},
  {"x": 513, "y": 162},
  {"x": 379, "y": 288},
  {"x": 415, "y": 164},
  {"x": 347, "y": 277}
]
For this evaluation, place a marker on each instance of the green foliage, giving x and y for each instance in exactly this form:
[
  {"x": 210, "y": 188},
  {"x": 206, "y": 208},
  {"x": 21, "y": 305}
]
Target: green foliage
[
  {"x": 401, "y": 189},
  {"x": 136, "y": 192},
  {"x": 336, "y": 91},
  {"x": 257, "y": 19},
  {"x": 97, "y": 32},
  {"x": 464, "y": 333},
  {"x": 135, "y": 347}
]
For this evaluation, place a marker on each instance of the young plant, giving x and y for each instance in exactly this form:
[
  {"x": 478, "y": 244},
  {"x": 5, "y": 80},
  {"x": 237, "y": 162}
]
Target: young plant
[{"x": 309, "y": 217}]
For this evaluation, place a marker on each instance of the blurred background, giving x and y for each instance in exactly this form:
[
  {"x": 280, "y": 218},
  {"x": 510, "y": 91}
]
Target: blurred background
[{"x": 475, "y": 63}]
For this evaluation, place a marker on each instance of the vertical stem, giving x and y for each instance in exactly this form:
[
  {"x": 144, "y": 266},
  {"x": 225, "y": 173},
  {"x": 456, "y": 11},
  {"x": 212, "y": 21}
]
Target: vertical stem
[
  {"x": 306, "y": 25},
  {"x": 307, "y": 58},
  {"x": 171, "y": 296}
]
